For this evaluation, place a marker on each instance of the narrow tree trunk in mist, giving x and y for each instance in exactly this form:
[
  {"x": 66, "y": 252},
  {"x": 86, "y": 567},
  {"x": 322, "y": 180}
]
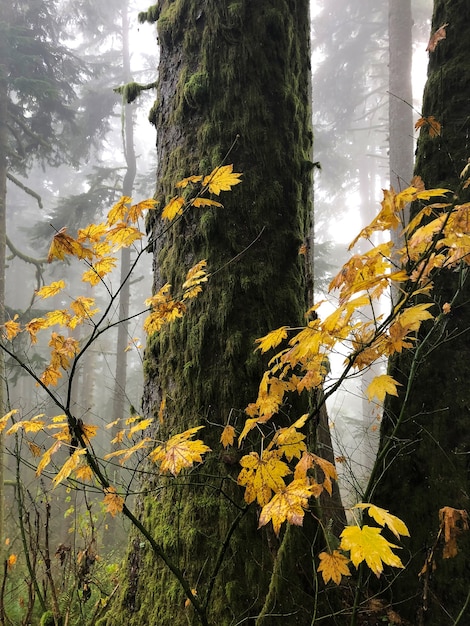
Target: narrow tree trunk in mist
[
  {"x": 229, "y": 72},
  {"x": 427, "y": 465},
  {"x": 400, "y": 110},
  {"x": 119, "y": 395},
  {"x": 3, "y": 198}
]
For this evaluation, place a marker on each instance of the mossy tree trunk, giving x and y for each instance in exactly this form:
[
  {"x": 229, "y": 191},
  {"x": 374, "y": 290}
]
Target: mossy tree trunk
[
  {"x": 230, "y": 71},
  {"x": 427, "y": 465}
]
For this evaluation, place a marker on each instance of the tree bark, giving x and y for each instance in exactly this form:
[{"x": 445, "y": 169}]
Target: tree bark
[{"x": 234, "y": 87}]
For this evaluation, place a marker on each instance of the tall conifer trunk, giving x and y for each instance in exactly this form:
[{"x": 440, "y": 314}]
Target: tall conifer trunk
[
  {"x": 427, "y": 464},
  {"x": 234, "y": 77}
]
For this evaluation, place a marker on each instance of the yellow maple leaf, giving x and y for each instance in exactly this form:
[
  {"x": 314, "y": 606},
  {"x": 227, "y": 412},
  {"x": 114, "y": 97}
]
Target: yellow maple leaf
[
  {"x": 289, "y": 441},
  {"x": 34, "y": 326},
  {"x": 83, "y": 307},
  {"x": 99, "y": 270},
  {"x": 51, "y": 290},
  {"x": 414, "y": 315},
  {"x": 380, "y": 386},
  {"x": 112, "y": 501},
  {"x": 222, "y": 179},
  {"x": 123, "y": 235},
  {"x": 67, "y": 468},
  {"x": 84, "y": 472},
  {"x": 333, "y": 565},
  {"x": 288, "y": 504},
  {"x": 119, "y": 211},
  {"x": 92, "y": 233},
  {"x": 50, "y": 376},
  {"x": 367, "y": 544},
  {"x": 179, "y": 452},
  {"x": 272, "y": 339},
  {"x": 59, "y": 316},
  {"x": 62, "y": 244},
  {"x": 261, "y": 476},
  {"x": 173, "y": 208},
  {"x": 384, "y": 518},
  {"x": 228, "y": 435},
  {"x": 12, "y": 328}
]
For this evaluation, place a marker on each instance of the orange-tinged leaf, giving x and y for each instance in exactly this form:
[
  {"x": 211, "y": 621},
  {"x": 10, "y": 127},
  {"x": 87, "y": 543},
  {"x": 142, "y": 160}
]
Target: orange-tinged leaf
[
  {"x": 367, "y": 544},
  {"x": 272, "y": 339},
  {"x": 333, "y": 566},
  {"x": 173, "y": 208},
  {"x": 67, "y": 468},
  {"x": 436, "y": 37},
  {"x": 261, "y": 476},
  {"x": 380, "y": 386},
  {"x": 35, "y": 450},
  {"x": 126, "y": 453},
  {"x": 384, "y": 518},
  {"x": 51, "y": 290},
  {"x": 199, "y": 202},
  {"x": 195, "y": 276},
  {"x": 179, "y": 452},
  {"x": 432, "y": 125},
  {"x": 112, "y": 501},
  {"x": 222, "y": 179},
  {"x": 11, "y": 560},
  {"x": 288, "y": 504},
  {"x": 12, "y": 328},
  {"x": 34, "y": 326},
  {"x": 62, "y": 244},
  {"x": 137, "y": 210},
  {"x": 84, "y": 472},
  {"x": 453, "y": 522},
  {"x": 228, "y": 435}
]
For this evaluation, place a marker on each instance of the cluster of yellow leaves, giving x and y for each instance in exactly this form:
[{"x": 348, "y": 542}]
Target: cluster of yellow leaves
[
  {"x": 438, "y": 237},
  {"x": 222, "y": 178},
  {"x": 364, "y": 543},
  {"x": 174, "y": 455},
  {"x": 280, "y": 486},
  {"x": 57, "y": 428},
  {"x": 164, "y": 308}
]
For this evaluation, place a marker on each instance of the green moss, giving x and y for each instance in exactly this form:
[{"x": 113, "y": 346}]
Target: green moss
[
  {"x": 195, "y": 90},
  {"x": 151, "y": 15}
]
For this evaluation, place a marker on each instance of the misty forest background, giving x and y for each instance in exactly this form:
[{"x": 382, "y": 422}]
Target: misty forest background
[{"x": 76, "y": 146}]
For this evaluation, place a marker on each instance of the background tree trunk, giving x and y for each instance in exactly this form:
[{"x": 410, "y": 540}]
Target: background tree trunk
[{"x": 427, "y": 464}]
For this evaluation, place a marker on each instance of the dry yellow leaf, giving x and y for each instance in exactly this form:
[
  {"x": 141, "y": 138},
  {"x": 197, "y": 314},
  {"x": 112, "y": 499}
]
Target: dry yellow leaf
[
  {"x": 222, "y": 179},
  {"x": 367, "y": 544},
  {"x": 112, "y": 501},
  {"x": 179, "y": 452},
  {"x": 228, "y": 435},
  {"x": 333, "y": 565},
  {"x": 288, "y": 504}
]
